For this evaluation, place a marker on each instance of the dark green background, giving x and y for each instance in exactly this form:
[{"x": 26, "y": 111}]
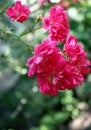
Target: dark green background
[{"x": 22, "y": 107}]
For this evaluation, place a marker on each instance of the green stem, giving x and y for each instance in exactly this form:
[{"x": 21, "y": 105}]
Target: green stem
[
  {"x": 37, "y": 20},
  {"x": 30, "y": 48}
]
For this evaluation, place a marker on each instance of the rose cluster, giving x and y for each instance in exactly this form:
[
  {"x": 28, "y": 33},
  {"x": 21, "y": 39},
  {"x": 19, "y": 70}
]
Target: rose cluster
[{"x": 57, "y": 69}]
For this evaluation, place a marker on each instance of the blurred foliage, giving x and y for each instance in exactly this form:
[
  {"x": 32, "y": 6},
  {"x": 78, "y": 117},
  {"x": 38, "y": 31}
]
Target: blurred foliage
[{"x": 22, "y": 107}]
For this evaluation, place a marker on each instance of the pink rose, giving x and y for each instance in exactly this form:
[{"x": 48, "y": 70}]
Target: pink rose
[
  {"x": 18, "y": 12},
  {"x": 57, "y": 24},
  {"x": 76, "y": 55},
  {"x": 42, "y": 54}
]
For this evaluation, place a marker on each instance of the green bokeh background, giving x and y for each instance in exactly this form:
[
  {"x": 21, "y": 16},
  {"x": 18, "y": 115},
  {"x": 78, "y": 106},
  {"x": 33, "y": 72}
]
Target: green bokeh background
[{"x": 22, "y": 107}]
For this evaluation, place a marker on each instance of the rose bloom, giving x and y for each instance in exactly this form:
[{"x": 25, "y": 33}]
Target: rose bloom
[
  {"x": 50, "y": 80},
  {"x": 42, "y": 54},
  {"x": 57, "y": 24},
  {"x": 43, "y": 2},
  {"x": 48, "y": 65},
  {"x": 18, "y": 12},
  {"x": 76, "y": 55}
]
